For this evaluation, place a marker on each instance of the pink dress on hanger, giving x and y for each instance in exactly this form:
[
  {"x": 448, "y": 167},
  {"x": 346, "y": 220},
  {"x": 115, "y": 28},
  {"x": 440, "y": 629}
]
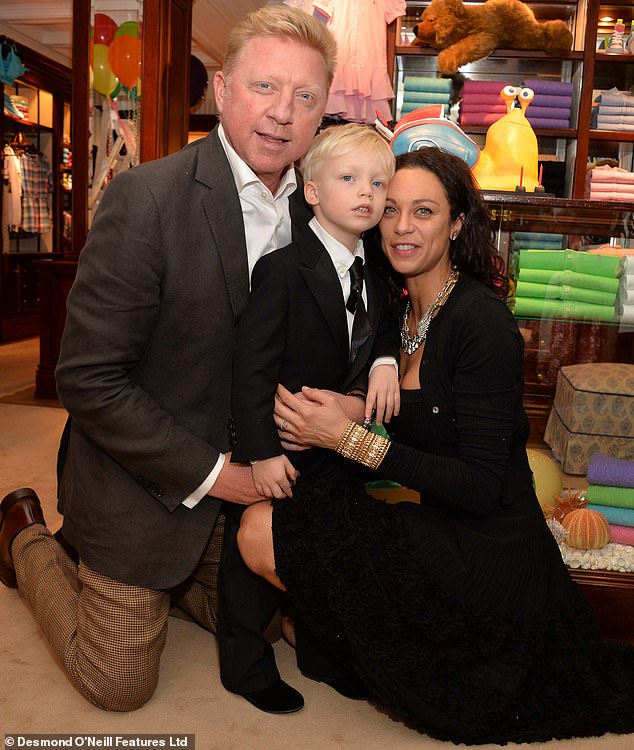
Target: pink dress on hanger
[{"x": 361, "y": 85}]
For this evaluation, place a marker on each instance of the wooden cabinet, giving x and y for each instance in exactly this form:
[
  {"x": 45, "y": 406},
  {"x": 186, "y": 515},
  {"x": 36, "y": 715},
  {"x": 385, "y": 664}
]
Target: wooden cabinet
[
  {"x": 553, "y": 343},
  {"x": 585, "y": 68},
  {"x": 33, "y": 120}
]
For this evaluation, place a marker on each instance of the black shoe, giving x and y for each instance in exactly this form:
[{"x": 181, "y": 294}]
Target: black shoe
[
  {"x": 278, "y": 698},
  {"x": 349, "y": 687}
]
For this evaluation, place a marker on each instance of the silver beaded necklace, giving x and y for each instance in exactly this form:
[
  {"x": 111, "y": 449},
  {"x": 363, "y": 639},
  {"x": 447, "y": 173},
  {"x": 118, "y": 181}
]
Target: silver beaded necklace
[{"x": 409, "y": 344}]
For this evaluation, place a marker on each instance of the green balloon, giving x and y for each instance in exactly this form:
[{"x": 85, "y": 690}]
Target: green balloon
[
  {"x": 104, "y": 80},
  {"x": 128, "y": 28}
]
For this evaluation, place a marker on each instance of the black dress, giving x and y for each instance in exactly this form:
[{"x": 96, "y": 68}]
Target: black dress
[{"x": 458, "y": 614}]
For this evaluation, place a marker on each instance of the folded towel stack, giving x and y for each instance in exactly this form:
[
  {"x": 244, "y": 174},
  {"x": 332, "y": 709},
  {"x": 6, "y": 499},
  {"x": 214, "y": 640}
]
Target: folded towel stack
[
  {"x": 481, "y": 102},
  {"x": 613, "y": 110},
  {"x": 536, "y": 241},
  {"x": 566, "y": 284},
  {"x": 607, "y": 183},
  {"x": 552, "y": 104},
  {"x": 625, "y": 291},
  {"x": 611, "y": 492},
  {"x": 625, "y": 296},
  {"x": 17, "y": 106},
  {"x": 419, "y": 91}
]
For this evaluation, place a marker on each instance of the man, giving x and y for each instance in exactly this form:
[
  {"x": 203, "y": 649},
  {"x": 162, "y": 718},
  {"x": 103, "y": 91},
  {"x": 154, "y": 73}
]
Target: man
[{"x": 145, "y": 373}]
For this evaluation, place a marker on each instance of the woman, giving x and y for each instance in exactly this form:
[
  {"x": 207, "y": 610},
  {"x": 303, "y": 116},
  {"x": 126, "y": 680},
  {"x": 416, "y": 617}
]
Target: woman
[{"x": 458, "y": 613}]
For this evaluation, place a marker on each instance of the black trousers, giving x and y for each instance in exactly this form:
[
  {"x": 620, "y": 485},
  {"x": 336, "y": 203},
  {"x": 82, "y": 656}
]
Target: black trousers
[{"x": 247, "y": 604}]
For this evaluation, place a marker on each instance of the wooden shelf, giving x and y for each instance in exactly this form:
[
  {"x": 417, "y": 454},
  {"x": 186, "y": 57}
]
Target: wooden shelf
[
  {"x": 566, "y": 133},
  {"x": 531, "y": 212},
  {"x": 611, "y": 595},
  {"x": 617, "y": 136},
  {"x": 524, "y": 54},
  {"x": 26, "y": 123},
  {"x": 621, "y": 59}
]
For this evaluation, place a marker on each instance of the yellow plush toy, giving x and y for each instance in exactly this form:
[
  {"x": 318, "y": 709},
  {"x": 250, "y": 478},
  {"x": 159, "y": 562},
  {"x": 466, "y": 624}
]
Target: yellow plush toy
[
  {"x": 468, "y": 33},
  {"x": 510, "y": 154}
]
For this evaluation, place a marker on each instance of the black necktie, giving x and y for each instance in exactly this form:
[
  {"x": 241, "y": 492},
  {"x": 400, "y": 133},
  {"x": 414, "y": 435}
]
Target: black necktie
[
  {"x": 356, "y": 284},
  {"x": 361, "y": 328}
]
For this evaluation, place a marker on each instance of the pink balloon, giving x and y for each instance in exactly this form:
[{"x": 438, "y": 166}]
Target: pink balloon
[{"x": 105, "y": 29}]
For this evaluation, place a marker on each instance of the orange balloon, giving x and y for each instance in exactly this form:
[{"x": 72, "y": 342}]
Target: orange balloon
[{"x": 124, "y": 56}]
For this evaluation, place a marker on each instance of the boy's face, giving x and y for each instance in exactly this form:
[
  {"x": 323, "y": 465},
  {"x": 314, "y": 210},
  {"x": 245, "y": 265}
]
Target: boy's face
[{"x": 348, "y": 195}]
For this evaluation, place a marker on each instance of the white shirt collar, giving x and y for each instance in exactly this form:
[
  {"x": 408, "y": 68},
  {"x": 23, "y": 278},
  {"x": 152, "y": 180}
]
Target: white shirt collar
[
  {"x": 244, "y": 176},
  {"x": 341, "y": 257}
]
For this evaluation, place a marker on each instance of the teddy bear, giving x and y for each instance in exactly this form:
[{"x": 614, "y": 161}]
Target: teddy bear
[{"x": 468, "y": 33}]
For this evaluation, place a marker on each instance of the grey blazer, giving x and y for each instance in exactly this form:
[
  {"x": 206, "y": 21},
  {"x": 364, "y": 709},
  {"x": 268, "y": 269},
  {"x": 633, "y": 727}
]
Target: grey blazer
[{"x": 146, "y": 360}]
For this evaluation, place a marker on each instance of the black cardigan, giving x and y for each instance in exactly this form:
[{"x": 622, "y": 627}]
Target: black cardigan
[{"x": 473, "y": 459}]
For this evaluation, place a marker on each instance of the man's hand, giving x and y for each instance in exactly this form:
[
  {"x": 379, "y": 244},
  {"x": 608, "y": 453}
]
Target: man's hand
[
  {"x": 275, "y": 477},
  {"x": 235, "y": 484}
]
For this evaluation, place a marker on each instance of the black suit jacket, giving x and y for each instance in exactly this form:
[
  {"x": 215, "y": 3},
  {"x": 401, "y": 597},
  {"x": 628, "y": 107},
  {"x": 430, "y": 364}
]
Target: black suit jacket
[
  {"x": 146, "y": 364},
  {"x": 294, "y": 331}
]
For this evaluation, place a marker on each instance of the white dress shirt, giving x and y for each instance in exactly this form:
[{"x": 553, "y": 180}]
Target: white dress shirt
[
  {"x": 267, "y": 226},
  {"x": 342, "y": 260}
]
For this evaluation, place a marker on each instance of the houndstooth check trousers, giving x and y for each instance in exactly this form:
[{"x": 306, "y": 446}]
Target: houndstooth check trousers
[{"x": 108, "y": 635}]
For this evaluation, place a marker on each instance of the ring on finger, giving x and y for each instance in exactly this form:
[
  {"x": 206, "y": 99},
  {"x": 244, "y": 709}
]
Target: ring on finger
[{"x": 283, "y": 424}]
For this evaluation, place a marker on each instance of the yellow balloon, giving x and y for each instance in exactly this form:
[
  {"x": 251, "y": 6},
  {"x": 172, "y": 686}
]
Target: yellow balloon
[
  {"x": 546, "y": 478},
  {"x": 104, "y": 80}
]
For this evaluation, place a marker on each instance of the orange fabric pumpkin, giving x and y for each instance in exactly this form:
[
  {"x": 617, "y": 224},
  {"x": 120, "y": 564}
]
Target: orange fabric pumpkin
[{"x": 587, "y": 529}]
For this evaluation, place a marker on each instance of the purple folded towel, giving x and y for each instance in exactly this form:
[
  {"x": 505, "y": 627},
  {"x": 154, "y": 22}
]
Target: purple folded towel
[
  {"x": 542, "y": 86},
  {"x": 615, "y": 472},
  {"x": 547, "y": 122}
]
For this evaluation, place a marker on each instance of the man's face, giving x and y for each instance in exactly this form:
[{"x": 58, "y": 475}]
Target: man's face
[{"x": 271, "y": 104}]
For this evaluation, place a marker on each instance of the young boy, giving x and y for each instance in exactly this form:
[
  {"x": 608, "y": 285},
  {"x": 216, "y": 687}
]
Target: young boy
[{"x": 309, "y": 322}]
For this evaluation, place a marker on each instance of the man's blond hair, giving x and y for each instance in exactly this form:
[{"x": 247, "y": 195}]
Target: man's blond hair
[
  {"x": 283, "y": 22},
  {"x": 338, "y": 140}
]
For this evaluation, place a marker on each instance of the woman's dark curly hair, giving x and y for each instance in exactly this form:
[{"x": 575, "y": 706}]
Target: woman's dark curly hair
[{"x": 473, "y": 251}]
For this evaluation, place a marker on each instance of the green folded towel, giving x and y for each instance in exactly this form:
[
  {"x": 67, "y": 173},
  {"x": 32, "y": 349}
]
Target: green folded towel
[
  {"x": 426, "y": 97},
  {"x": 557, "y": 291},
  {"x": 531, "y": 307},
  {"x": 573, "y": 260},
  {"x": 422, "y": 83},
  {"x": 571, "y": 278},
  {"x": 619, "y": 497},
  {"x": 537, "y": 236}
]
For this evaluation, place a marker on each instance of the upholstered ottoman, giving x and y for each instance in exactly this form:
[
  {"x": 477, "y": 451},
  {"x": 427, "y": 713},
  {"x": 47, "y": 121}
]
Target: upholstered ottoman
[{"x": 593, "y": 412}]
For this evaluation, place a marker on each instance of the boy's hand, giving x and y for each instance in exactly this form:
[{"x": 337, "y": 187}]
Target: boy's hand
[
  {"x": 384, "y": 395},
  {"x": 274, "y": 477}
]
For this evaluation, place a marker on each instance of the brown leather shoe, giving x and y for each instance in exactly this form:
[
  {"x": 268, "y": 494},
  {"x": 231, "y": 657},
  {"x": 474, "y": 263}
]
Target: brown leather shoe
[{"x": 19, "y": 509}]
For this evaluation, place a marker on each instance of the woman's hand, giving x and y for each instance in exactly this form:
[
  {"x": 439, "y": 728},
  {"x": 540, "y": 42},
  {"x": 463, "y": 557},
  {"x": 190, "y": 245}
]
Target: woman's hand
[{"x": 313, "y": 419}]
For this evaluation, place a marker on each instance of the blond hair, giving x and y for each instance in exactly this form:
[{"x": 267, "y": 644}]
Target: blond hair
[
  {"x": 338, "y": 140},
  {"x": 283, "y": 22}
]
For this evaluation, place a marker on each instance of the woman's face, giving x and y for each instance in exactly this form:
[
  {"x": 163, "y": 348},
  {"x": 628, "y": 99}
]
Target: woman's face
[{"x": 416, "y": 226}]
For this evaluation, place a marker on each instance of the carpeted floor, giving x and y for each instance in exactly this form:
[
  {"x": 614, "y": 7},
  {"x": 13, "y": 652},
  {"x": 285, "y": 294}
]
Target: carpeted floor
[{"x": 36, "y": 697}]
